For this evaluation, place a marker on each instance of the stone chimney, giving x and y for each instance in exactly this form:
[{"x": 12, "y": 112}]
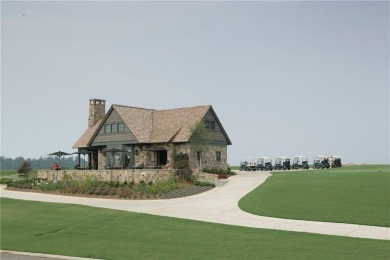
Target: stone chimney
[{"x": 97, "y": 110}]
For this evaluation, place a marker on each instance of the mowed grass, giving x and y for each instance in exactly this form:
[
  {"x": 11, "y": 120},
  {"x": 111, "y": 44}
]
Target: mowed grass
[
  {"x": 355, "y": 194},
  {"x": 82, "y": 231},
  {"x": 7, "y": 173}
]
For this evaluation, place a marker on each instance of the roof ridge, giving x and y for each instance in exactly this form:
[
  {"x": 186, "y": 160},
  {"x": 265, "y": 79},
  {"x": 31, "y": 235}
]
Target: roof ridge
[
  {"x": 178, "y": 108},
  {"x": 150, "y": 109}
]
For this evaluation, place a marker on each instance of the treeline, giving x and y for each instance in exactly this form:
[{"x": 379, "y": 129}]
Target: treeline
[{"x": 67, "y": 162}]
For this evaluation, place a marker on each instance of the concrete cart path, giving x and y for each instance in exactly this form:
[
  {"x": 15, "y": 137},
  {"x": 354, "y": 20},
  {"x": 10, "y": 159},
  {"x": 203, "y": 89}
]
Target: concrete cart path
[{"x": 219, "y": 205}]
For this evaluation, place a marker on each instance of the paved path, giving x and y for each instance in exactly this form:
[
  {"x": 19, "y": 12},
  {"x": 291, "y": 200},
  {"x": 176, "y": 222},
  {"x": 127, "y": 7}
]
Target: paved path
[
  {"x": 219, "y": 205},
  {"x": 12, "y": 255}
]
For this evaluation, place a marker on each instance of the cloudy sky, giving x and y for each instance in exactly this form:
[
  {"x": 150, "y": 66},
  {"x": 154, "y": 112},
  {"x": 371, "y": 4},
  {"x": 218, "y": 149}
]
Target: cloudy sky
[{"x": 285, "y": 78}]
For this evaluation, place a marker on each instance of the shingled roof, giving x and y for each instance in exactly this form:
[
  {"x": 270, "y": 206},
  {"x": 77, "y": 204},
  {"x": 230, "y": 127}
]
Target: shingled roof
[
  {"x": 154, "y": 126},
  {"x": 87, "y": 136}
]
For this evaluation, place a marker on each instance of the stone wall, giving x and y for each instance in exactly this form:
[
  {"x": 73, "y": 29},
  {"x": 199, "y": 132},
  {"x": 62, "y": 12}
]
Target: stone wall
[
  {"x": 206, "y": 176},
  {"x": 101, "y": 161},
  {"x": 209, "y": 158},
  {"x": 136, "y": 175}
]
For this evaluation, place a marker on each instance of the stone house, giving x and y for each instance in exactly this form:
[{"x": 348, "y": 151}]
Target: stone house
[{"x": 150, "y": 137}]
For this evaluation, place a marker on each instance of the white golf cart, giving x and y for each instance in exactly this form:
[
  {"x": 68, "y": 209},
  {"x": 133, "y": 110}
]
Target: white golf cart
[
  {"x": 282, "y": 163},
  {"x": 321, "y": 162},
  {"x": 300, "y": 162},
  {"x": 247, "y": 164},
  {"x": 264, "y": 163}
]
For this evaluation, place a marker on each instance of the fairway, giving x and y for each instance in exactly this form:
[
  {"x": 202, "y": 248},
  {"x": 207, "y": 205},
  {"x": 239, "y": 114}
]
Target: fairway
[
  {"x": 110, "y": 234},
  {"x": 356, "y": 194}
]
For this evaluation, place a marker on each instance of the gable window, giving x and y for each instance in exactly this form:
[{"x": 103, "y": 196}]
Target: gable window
[
  {"x": 114, "y": 128},
  {"x": 210, "y": 125},
  {"x": 107, "y": 128},
  {"x": 218, "y": 156},
  {"x": 121, "y": 127}
]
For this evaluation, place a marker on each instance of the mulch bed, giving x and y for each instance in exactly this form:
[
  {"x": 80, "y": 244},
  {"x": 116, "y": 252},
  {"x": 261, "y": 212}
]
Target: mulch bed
[{"x": 184, "y": 192}]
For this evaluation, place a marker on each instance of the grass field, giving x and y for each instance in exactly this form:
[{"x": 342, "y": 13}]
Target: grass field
[
  {"x": 356, "y": 194},
  {"x": 7, "y": 173},
  {"x": 109, "y": 234}
]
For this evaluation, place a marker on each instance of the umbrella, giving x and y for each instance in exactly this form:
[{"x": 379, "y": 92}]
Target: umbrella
[
  {"x": 59, "y": 154},
  {"x": 83, "y": 152},
  {"x": 114, "y": 151}
]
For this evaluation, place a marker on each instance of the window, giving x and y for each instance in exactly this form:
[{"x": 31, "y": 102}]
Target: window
[
  {"x": 114, "y": 128},
  {"x": 107, "y": 128},
  {"x": 210, "y": 125},
  {"x": 218, "y": 156},
  {"x": 121, "y": 127}
]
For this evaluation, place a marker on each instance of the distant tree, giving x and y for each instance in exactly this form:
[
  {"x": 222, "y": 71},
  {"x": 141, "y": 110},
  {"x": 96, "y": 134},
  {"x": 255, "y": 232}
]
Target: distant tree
[{"x": 41, "y": 163}]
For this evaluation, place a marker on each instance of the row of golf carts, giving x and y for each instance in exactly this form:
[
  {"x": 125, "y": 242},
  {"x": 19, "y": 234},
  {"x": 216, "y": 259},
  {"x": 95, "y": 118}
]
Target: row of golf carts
[{"x": 283, "y": 163}]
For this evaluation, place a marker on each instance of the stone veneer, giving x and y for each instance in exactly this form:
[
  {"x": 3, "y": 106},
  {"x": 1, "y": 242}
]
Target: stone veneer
[
  {"x": 208, "y": 157},
  {"x": 136, "y": 175}
]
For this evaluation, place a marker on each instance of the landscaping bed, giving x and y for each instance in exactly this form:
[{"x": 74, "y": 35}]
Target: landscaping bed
[{"x": 172, "y": 188}]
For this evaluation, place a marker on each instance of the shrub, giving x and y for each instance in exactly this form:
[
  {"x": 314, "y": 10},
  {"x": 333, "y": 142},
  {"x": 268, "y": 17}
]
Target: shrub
[
  {"x": 24, "y": 168},
  {"x": 5, "y": 180},
  {"x": 219, "y": 171},
  {"x": 112, "y": 192},
  {"x": 201, "y": 182},
  {"x": 223, "y": 176}
]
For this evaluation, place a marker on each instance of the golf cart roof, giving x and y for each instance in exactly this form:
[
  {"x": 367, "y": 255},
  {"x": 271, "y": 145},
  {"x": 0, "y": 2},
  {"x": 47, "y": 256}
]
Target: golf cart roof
[{"x": 246, "y": 159}]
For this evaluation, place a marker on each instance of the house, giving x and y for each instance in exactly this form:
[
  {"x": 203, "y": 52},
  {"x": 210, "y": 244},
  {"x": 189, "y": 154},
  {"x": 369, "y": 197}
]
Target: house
[{"x": 150, "y": 137}]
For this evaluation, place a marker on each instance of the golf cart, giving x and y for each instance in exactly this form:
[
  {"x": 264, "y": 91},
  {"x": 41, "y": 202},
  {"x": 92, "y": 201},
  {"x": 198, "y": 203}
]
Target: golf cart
[
  {"x": 300, "y": 162},
  {"x": 336, "y": 161},
  {"x": 264, "y": 163},
  {"x": 247, "y": 164},
  {"x": 282, "y": 163},
  {"x": 321, "y": 162}
]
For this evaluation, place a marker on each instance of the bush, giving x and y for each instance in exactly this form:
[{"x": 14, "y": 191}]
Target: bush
[
  {"x": 223, "y": 176},
  {"x": 219, "y": 171},
  {"x": 24, "y": 168},
  {"x": 92, "y": 187},
  {"x": 201, "y": 182}
]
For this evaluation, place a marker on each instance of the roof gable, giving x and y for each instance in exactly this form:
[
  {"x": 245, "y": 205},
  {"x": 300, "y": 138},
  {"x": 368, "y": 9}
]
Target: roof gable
[
  {"x": 85, "y": 138},
  {"x": 154, "y": 126},
  {"x": 138, "y": 120},
  {"x": 174, "y": 125}
]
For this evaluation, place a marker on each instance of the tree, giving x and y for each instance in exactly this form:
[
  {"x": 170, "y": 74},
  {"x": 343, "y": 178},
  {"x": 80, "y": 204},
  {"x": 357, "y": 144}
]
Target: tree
[
  {"x": 199, "y": 140},
  {"x": 24, "y": 169},
  {"x": 182, "y": 167}
]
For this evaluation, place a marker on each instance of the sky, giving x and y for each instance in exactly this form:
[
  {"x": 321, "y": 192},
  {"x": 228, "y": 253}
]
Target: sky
[{"x": 284, "y": 78}]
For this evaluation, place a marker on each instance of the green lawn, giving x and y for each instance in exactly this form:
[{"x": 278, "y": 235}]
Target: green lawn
[
  {"x": 110, "y": 234},
  {"x": 356, "y": 194},
  {"x": 7, "y": 173}
]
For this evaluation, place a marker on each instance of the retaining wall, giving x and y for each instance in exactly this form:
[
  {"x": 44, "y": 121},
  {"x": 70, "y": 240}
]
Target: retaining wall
[{"x": 136, "y": 175}]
